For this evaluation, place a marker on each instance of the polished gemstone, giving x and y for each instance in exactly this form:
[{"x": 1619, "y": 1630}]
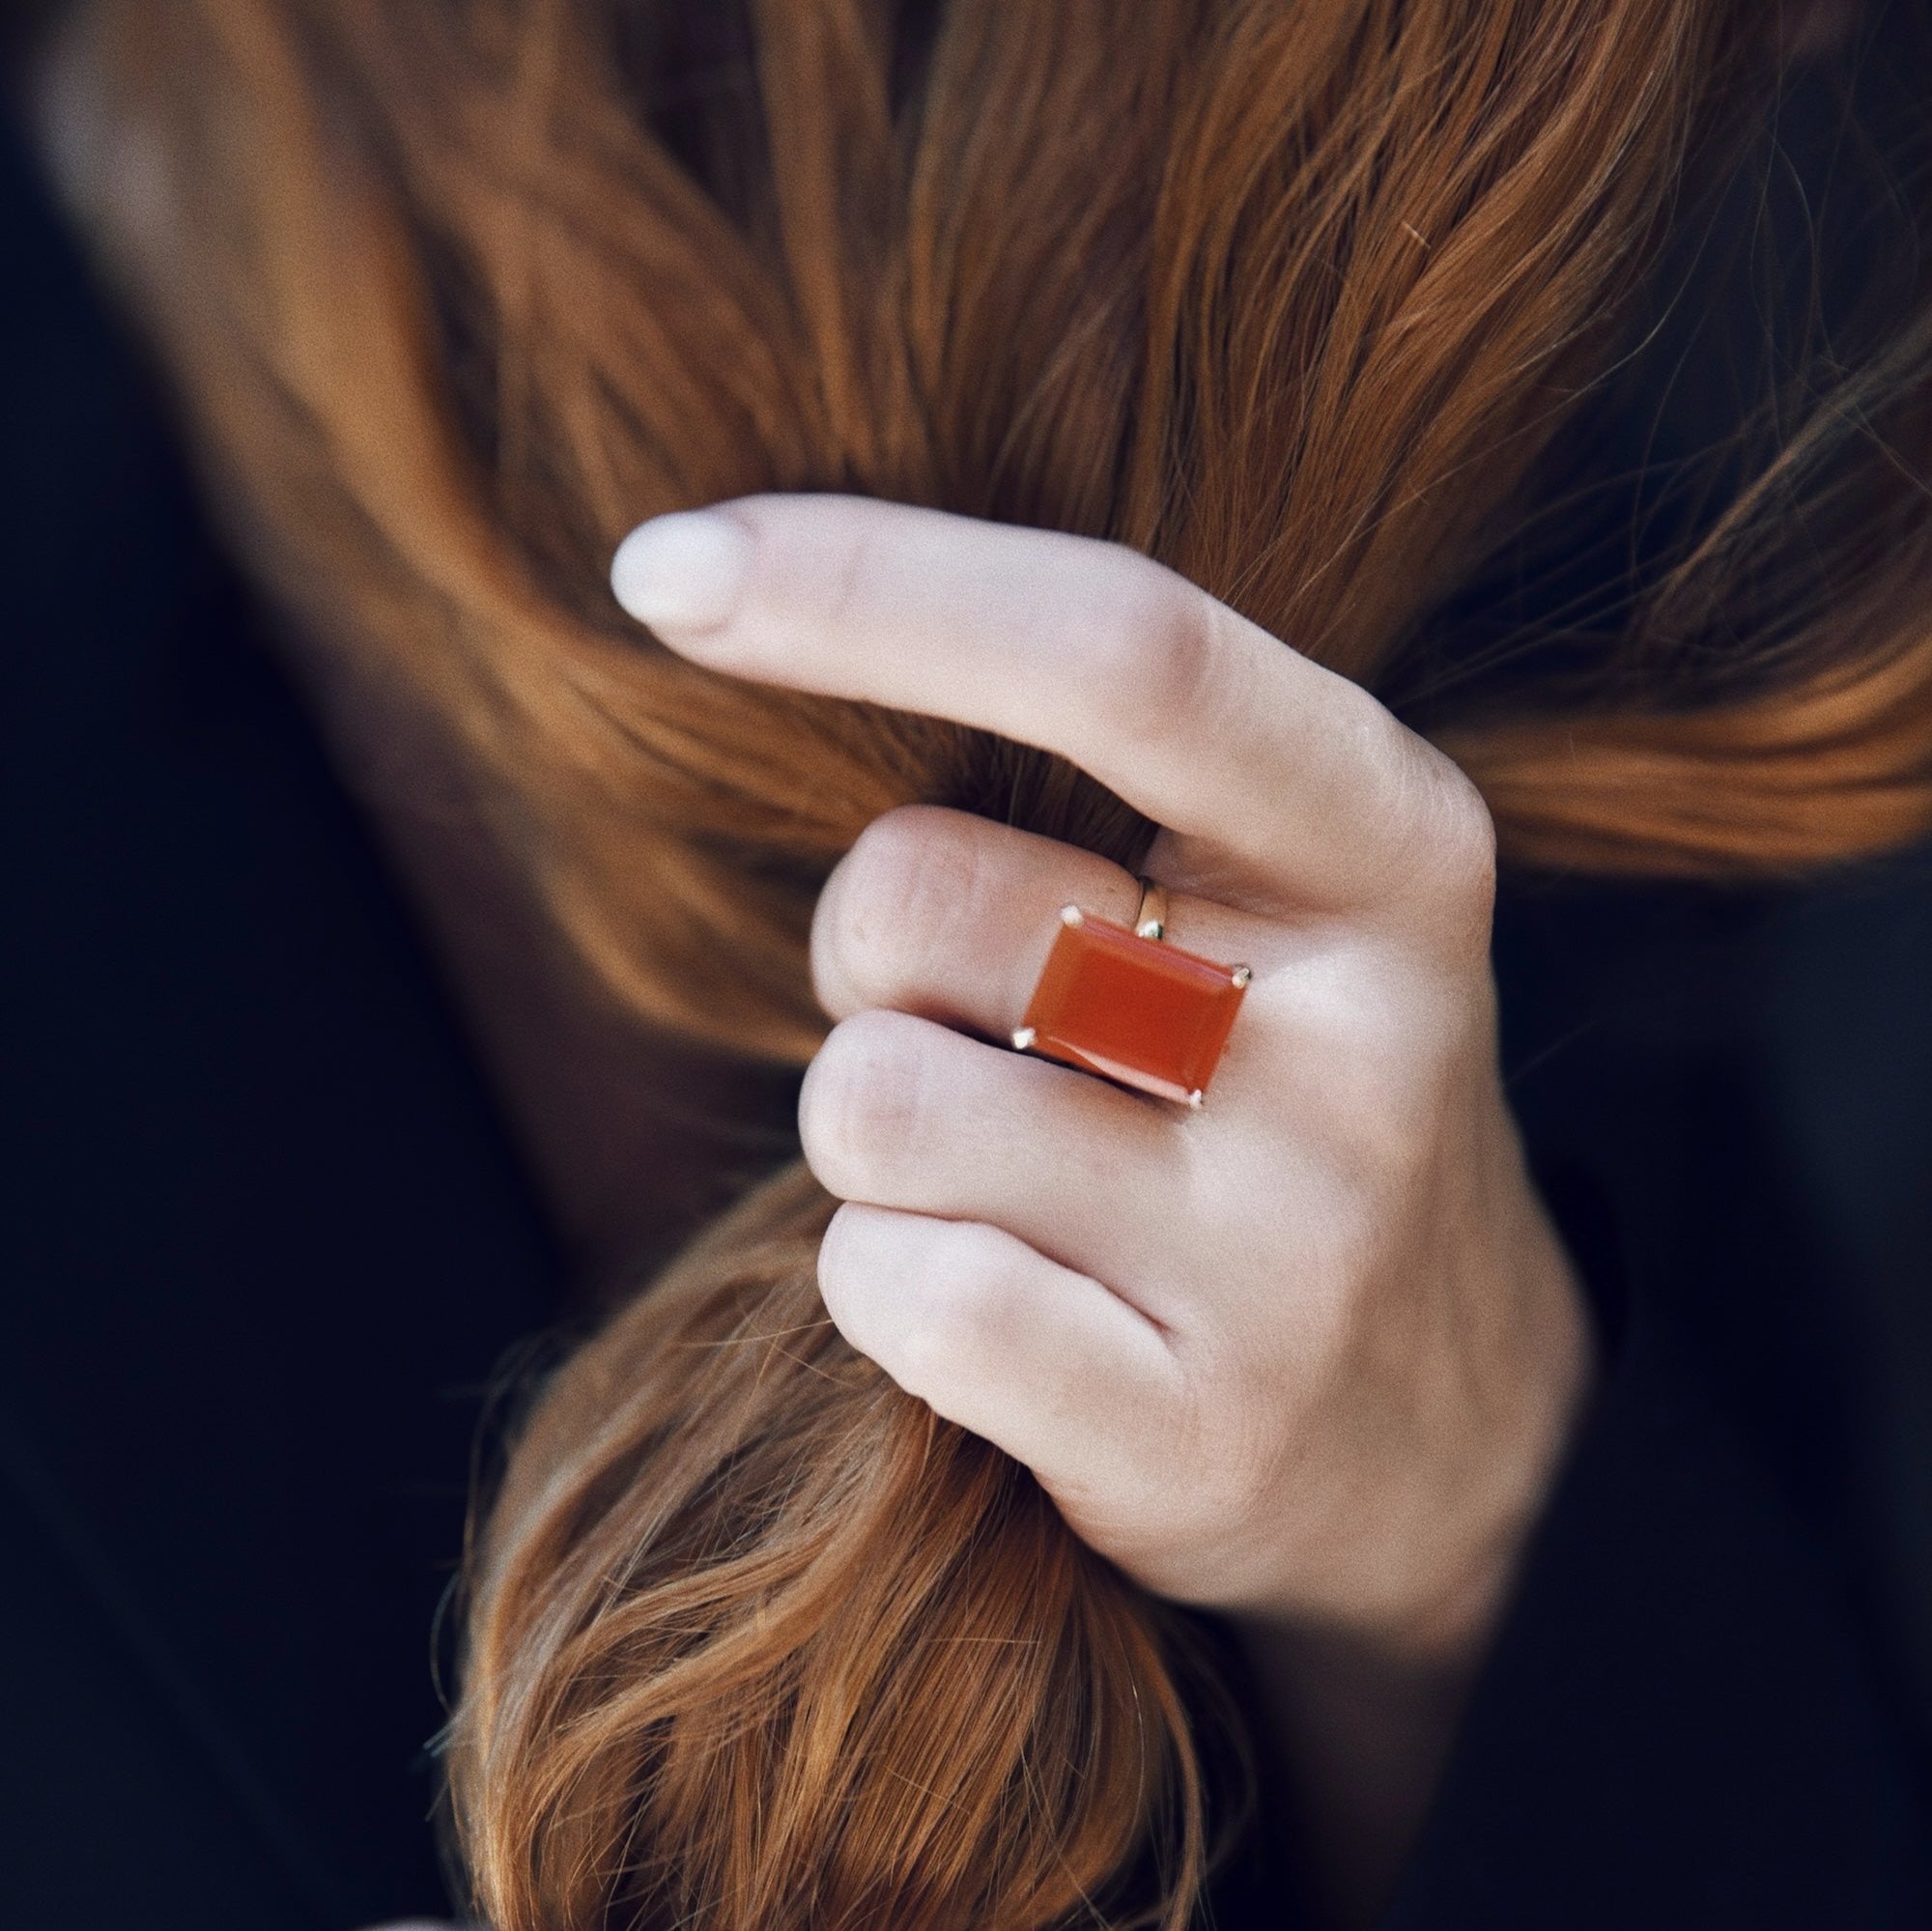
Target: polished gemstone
[{"x": 1136, "y": 1011}]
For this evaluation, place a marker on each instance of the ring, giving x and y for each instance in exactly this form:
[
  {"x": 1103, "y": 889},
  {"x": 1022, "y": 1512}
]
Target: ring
[
  {"x": 1120, "y": 1002},
  {"x": 1151, "y": 914}
]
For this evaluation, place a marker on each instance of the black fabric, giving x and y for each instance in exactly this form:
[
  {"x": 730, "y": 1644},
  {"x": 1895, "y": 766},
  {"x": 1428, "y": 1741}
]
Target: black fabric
[
  {"x": 1709, "y": 1705},
  {"x": 264, "y": 1241}
]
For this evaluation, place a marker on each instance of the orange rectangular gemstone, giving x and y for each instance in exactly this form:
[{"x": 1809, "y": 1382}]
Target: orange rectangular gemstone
[{"x": 1138, "y": 1011}]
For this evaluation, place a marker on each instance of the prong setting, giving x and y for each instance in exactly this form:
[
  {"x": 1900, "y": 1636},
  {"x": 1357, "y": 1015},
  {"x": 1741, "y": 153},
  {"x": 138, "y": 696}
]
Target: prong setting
[
  {"x": 1242, "y": 974},
  {"x": 1149, "y": 1016}
]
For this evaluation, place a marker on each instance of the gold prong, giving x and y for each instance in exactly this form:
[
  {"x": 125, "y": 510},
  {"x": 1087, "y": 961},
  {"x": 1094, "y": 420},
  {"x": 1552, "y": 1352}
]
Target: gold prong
[
  {"x": 1195, "y": 1098},
  {"x": 1071, "y": 915},
  {"x": 1149, "y": 928},
  {"x": 1242, "y": 975},
  {"x": 1023, "y": 1039}
]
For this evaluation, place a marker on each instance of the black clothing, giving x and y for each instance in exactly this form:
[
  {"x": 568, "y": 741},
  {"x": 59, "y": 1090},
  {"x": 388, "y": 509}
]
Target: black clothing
[
  {"x": 265, "y": 1241},
  {"x": 263, "y": 1244}
]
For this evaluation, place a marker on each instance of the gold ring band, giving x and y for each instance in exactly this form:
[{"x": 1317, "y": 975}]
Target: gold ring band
[{"x": 1151, "y": 914}]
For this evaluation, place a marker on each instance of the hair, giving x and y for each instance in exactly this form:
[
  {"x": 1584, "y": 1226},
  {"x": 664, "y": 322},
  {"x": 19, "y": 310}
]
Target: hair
[{"x": 1353, "y": 311}]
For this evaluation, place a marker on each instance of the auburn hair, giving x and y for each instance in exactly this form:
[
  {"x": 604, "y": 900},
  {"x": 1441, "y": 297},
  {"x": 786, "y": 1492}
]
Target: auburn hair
[{"x": 1344, "y": 309}]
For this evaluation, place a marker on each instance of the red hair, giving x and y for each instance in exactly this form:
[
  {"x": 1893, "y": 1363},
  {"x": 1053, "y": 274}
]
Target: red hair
[{"x": 1317, "y": 304}]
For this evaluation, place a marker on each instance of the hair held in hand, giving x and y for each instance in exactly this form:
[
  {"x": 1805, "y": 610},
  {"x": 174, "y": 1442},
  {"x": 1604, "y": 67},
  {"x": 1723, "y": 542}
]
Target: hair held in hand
[{"x": 1343, "y": 308}]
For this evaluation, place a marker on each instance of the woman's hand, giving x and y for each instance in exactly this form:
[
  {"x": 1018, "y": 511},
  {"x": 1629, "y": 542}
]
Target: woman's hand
[{"x": 1308, "y": 1355}]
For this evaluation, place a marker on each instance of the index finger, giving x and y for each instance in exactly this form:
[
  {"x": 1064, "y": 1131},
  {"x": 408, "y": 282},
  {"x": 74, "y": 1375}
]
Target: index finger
[{"x": 1193, "y": 715}]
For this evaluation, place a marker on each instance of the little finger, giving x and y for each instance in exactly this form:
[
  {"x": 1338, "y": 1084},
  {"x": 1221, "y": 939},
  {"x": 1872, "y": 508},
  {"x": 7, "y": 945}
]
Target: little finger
[{"x": 1038, "y": 1359}]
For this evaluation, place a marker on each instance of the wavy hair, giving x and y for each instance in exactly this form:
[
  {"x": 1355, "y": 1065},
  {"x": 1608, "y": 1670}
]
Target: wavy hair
[{"x": 1352, "y": 311}]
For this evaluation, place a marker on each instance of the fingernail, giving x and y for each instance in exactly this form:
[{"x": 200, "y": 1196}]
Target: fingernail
[{"x": 682, "y": 572}]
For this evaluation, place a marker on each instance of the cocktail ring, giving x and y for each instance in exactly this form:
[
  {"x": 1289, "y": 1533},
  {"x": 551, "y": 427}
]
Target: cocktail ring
[{"x": 1120, "y": 1002}]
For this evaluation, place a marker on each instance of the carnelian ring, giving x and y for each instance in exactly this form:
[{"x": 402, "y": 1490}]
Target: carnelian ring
[{"x": 1135, "y": 1010}]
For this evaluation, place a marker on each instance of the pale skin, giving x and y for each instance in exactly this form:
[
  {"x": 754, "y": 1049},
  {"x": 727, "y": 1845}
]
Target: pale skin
[{"x": 1307, "y": 1356}]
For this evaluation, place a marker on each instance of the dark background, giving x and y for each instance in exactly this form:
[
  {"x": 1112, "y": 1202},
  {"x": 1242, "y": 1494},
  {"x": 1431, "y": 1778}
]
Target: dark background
[{"x": 264, "y": 1248}]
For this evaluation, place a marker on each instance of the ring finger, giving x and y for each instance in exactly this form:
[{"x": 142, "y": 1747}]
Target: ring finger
[{"x": 949, "y": 916}]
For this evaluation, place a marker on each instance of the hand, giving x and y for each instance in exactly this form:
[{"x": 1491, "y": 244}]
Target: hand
[{"x": 1308, "y": 1355}]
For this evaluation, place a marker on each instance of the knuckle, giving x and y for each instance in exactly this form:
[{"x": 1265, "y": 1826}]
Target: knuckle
[
  {"x": 888, "y": 904},
  {"x": 864, "y": 1102},
  {"x": 1355, "y": 1026},
  {"x": 1386, "y": 1142},
  {"x": 1458, "y": 848},
  {"x": 962, "y": 1311},
  {"x": 1468, "y": 831},
  {"x": 1154, "y": 647}
]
